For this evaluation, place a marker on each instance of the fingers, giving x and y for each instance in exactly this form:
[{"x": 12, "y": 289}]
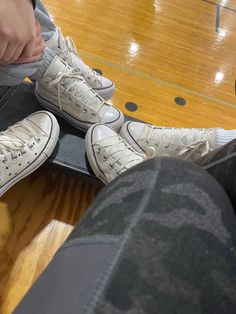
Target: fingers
[
  {"x": 3, "y": 46},
  {"x": 22, "y": 60},
  {"x": 23, "y": 53}
]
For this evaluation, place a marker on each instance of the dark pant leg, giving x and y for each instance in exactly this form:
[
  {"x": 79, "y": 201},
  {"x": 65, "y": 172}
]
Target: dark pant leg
[
  {"x": 5, "y": 93},
  {"x": 160, "y": 239},
  {"x": 221, "y": 163}
]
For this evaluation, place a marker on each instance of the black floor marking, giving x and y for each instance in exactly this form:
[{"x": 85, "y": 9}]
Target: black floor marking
[
  {"x": 98, "y": 71},
  {"x": 222, "y": 6},
  {"x": 131, "y": 106},
  {"x": 180, "y": 101},
  {"x": 217, "y": 18}
]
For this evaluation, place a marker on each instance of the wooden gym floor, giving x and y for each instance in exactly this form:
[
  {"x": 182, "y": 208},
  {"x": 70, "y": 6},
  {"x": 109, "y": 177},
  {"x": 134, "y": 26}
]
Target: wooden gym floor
[{"x": 159, "y": 53}]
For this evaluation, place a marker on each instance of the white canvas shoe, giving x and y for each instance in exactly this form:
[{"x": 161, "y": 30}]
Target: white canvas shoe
[
  {"x": 25, "y": 146},
  {"x": 109, "y": 155},
  {"x": 66, "y": 50},
  {"x": 64, "y": 92},
  {"x": 185, "y": 143}
]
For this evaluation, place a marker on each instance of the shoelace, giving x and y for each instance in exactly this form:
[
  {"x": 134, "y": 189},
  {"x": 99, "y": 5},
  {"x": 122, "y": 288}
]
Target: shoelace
[
  {"x": 170, "y": 133},
  {"x": 15, "y": 138},
  {"x": 86, "y": 71},
  {"x": 122, "y": 154},
  {"x": 77, "y": 87},
  {"x": 200, "y": 148}
]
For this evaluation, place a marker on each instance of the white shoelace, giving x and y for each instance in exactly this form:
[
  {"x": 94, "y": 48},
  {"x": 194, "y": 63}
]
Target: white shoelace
[
  {"x": 170, "y": 134},
  {"x": 85, "y": 69},
  {"x": 122, "y": 155},
  {"x": 198, "y": 148},
  {"x": 15, "y": 138},
  {"x": 78, "y": 88}
]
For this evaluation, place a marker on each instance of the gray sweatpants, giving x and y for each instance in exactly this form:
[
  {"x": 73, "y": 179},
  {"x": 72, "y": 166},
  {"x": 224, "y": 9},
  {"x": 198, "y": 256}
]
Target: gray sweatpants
[{"x": 12, "y": 75}]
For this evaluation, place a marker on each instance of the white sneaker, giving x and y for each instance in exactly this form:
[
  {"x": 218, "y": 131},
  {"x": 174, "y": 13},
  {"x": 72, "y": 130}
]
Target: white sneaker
[
  {"x": 66, "y": 50},
  {"x": 25, "y": 146},
  {"x": 185, "y": 143},
  {"x": 109, "y": 155},
  {"x": 63, "y": 91}
]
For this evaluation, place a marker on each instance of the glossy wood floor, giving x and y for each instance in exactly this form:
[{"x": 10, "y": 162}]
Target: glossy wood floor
[{"x": 155, "y": 51}]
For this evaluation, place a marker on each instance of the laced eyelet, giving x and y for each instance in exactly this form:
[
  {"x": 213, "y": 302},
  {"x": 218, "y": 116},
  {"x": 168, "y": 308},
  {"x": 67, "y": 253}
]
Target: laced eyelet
[
  {"x": 14, "y": 157},
  {"x": 99, "y": 150},
  {"x": 31, "y": 147},
  {"x": 93, "y": 114},
  {"x": 38, "y": 140},
  {"x": 4, "y": 161},
  {"x": 85, "y": 110},
  {"x": 111, "y": 167},
  {"x": 117, "y": 173},
  {"x": 104, "y": 158},
  {"x": 147, "y": 142},
  {"x": 156, "y": 145},
  {"x": 23, "y": 153}
]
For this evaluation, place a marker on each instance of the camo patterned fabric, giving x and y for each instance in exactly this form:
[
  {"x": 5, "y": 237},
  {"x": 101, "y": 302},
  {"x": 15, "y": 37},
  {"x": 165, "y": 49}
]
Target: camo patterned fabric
[
  {"x": 221, "y": 163},
  {"x": 174, "y": 232}
]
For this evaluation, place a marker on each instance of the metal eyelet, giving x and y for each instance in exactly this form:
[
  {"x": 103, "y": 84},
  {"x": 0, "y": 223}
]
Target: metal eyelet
[
  {"x": 38, "y": 140},
  {"x": 14, "y": 157},
  {"x": 147, "y": 142},
  {"x": 31, "y": 147},
  {"x": 85, "y": 110},
  {"x": 111, "y": 167},
  {"x": 104, "y": 158},
  {"x": 23, "y": 153},
  {"x": 4, "y": 161},
  {"x": 99, "y": 150},
  {"x": 93, "y": 114}
]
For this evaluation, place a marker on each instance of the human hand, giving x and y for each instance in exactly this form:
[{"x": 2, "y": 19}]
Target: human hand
[
  {"x": 35, "y": 48},
  {"x": 20, "y": 39}
]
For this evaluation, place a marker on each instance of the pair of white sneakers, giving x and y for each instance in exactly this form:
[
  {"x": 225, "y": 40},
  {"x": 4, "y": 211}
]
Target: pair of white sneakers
[{"x": 111, "y": 153}]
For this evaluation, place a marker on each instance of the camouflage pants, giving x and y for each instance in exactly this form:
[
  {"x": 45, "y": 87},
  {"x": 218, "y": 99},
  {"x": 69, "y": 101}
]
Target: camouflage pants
[{"x": 159, "y": 240}]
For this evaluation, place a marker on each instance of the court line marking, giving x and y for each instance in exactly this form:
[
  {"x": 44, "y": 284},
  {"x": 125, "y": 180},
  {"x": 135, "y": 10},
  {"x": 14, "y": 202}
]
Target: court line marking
[
  {"x": 220, "y": 5},
  {"x": 217, "y": 18},
  {"x": 152, "y": 78}
]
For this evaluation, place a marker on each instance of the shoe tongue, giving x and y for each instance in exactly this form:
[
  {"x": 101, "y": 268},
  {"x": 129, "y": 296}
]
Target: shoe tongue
[
  {"x": 57, "y": 65},
  {"x": 212, "y": 139}
]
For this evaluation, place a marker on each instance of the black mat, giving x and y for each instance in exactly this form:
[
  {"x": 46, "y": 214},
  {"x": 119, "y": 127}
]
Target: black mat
[{"x": 70, "y": 152}]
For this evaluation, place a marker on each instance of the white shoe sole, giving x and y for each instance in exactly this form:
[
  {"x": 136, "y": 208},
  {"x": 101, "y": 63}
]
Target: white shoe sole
[
  {"x": 42, "y": 157},
  {"x": 92, "y": 158},
  {"x": 105, "y": 93},
  {"x": 124, "y": 132},
  {"x": 81, "y": 125}
]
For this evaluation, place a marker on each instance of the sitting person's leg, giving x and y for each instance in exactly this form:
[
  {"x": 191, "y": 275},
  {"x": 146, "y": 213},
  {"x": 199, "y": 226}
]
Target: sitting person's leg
[
  {"x": 221, "y": 163},
  {"x": 159, "y": 239}
]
